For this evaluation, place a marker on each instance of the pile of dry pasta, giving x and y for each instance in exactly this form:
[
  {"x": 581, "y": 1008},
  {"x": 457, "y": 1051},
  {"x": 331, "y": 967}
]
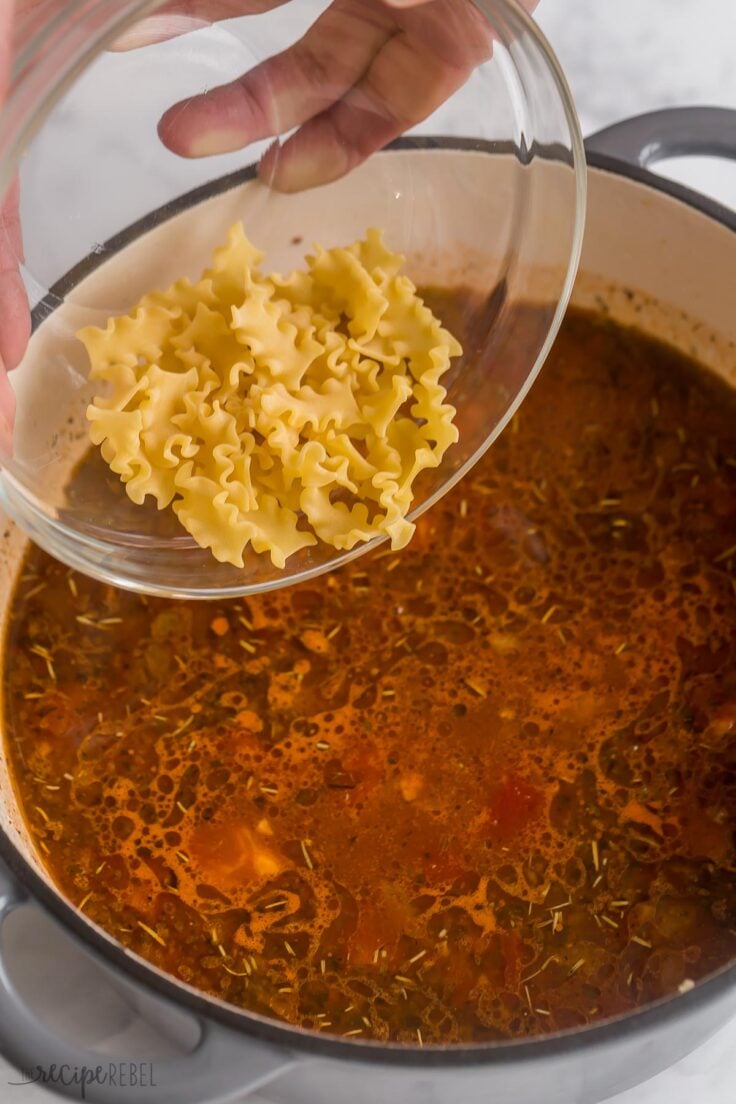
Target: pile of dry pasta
[{"x": 277, "y": 411}]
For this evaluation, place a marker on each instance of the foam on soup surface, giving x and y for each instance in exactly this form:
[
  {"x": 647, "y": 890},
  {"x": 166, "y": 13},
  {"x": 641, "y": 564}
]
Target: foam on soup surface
[{"x": 480, "y": 789}]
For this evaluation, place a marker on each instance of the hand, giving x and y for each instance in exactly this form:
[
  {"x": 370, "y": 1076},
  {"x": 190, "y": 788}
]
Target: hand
[
  {"x": 15, "y": 320},
  {"x": 366, "y": 71}
]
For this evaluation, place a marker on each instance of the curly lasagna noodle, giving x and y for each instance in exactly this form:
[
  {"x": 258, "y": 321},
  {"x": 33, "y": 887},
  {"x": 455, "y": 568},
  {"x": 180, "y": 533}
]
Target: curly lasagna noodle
[{"x": 277, "y": 411}]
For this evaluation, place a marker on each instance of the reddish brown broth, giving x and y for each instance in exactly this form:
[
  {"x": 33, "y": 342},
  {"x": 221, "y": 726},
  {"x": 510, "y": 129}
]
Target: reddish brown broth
[{"x": 481, "y": 789}]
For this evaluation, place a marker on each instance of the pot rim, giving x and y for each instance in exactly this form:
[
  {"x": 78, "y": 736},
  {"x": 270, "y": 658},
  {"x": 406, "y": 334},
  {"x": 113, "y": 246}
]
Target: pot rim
[{"x": 300, "y": 1040}]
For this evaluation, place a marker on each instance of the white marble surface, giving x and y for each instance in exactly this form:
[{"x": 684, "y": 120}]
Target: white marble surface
[{"x": 622, "y": 57}]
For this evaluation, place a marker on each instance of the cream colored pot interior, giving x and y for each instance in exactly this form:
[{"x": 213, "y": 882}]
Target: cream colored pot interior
[{"x": 648, "y": 260}]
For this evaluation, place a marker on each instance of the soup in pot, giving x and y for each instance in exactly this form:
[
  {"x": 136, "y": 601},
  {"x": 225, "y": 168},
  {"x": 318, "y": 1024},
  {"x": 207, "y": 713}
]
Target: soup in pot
[{"x": 481, "y": 789}]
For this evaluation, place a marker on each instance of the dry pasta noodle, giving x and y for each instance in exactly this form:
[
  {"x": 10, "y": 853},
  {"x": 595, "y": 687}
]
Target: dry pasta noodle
[{"x": 277, "y": 411}]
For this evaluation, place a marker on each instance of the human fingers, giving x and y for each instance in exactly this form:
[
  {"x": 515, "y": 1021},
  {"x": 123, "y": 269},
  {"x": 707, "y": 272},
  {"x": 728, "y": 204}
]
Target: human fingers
[
  {"x": 322, "y": 82},
  {"x": 414, "y": 72},
  {"x": 287, "y": 89}
]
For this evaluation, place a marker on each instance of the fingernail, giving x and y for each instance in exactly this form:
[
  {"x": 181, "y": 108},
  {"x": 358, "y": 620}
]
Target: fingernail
[
  {"x": 286, "y": 169},
  {"x": 215, "y": 140},
  {"x": 404, "y": 3},
  {"x": 157, "y": 28}
]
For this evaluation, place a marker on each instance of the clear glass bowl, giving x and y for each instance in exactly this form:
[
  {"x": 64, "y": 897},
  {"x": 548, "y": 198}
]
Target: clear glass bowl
[{"x": 488, "y": 192}]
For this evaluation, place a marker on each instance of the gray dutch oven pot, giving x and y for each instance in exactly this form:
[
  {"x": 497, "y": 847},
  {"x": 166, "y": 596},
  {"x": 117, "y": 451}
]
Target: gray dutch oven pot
[{"x": 663, "y": 235}]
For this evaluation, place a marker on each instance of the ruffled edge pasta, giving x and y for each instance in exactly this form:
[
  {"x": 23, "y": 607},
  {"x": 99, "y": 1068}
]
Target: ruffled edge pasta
[{"x": 271, "y": 412}]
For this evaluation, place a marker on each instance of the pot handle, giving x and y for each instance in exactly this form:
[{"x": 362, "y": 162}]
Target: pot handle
[
  {"x": 225, "y": 1065},
  {"x": 673, "y": 132}
]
